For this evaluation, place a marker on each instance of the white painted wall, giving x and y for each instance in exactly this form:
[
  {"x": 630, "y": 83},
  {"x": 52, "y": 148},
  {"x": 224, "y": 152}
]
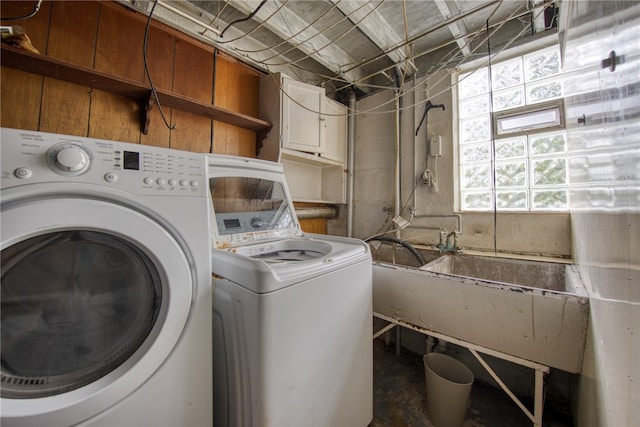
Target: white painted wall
[
  {"x": 545, "y": 234},
  {"x": 374, "y": 160},
  {"x": 605, "y": 199}
]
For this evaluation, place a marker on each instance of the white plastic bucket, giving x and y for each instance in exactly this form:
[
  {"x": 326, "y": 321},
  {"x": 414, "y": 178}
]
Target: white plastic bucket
[{"x": 449, "y": 384}]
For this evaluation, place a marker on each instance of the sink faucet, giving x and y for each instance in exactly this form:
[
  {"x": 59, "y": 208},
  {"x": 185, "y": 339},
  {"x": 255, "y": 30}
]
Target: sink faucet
[{"x": 445, "y": 242}]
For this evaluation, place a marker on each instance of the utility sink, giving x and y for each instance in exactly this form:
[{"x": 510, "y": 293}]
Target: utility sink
[
  {"x": 530, "y": 309},
  {"x": 553, "y": 276}
]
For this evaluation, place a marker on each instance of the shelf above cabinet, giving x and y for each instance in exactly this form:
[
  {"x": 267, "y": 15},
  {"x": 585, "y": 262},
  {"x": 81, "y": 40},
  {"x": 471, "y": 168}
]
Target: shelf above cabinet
[
  {"x": 69, "y": 72},
  {"x": 308, "y": 158}
]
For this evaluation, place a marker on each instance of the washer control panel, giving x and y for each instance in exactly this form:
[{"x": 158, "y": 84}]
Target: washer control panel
[{"x": 35, "y": 157}]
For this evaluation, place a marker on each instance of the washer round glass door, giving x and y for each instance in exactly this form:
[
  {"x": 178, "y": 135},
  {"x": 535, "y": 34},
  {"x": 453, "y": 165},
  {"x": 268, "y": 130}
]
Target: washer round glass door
[
  {"x": 86, "y": 304},
  {"x": 75, "y": 305}
]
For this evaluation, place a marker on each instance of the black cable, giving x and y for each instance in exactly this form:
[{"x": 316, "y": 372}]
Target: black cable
[
  {"x": 428, "y": 107},
  {"x": 19, "y": 18},
  {"x": 404, "y": 244},
  {"x": 146, "y": 67},
  {"x": 213, "y": 96},
  {"x": 244, "y": 19}
]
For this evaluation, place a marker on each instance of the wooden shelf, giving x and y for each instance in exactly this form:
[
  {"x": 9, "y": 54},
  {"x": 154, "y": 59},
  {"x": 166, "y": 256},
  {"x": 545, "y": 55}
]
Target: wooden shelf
[{"x": 69, "y": 72}]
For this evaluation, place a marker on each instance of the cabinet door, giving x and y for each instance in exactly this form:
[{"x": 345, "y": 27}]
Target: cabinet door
[
  {"x": 335, "y": 136},
  {"x": 302, "y": 120}
]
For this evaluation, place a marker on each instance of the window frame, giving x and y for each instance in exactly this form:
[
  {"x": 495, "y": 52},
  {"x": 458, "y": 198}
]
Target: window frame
[
  {"x": 553, "y": 103},
  {"x": 529, "y": 109}
]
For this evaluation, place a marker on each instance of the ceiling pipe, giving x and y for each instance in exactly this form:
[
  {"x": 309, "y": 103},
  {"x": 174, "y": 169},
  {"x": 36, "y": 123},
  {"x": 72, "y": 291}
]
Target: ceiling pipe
[
  {"x": 187, "y": 16},
  {"x": 329, "y": 212},
  {"x": 398, "y": 127}
]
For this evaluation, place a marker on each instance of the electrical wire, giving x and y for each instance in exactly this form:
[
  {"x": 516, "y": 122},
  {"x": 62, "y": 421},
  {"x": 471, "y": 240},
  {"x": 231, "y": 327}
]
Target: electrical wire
[
  {"x": 329, "y": 43},
  {"x": 248, "y": 17},
  {"x": 146, "y": 67},
  {"x": 215, "y": 18},
  {"x": 256, "y": 28},
  {"x": 447, "y": 76},
  {"x": 493, "y": 151},
  {"x": 324, "y": 79},
  {"x": 293, "y": 36},
  {"x": 375, "y": 109},
  {"x": 444, "y": 23},
  {"x": 324, "y": 57},
  {"x": 30, "y": 15},
  {"x": 456, "y": 50}
]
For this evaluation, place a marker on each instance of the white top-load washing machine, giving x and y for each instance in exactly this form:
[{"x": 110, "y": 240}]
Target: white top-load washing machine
[
  {"x": 106, "y": 283},
  {"x": 292, "y": 311}
]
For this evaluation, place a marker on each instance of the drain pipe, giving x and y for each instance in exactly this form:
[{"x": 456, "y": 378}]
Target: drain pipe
[
  {"x": 398, "y": 118},
  {"x": 397, "y": 202},
  {"x": 351, "y": 139}
]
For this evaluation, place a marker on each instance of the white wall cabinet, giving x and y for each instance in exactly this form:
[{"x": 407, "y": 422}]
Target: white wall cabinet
[
  {"x": 302, "y": 118},
  {"x": 309, "y": 137},
  {"x": 335, "y": 131}
]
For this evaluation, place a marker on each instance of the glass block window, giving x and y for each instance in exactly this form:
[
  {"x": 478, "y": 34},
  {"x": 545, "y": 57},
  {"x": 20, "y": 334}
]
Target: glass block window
[{"x": 523, "y": 168}]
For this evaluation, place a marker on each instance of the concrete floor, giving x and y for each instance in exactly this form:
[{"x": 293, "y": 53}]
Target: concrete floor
[{"x": 400, "y": 396}]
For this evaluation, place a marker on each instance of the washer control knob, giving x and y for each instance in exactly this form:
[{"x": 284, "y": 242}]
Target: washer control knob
[
  {"x": 72, "y": 159},
  {"x": 69, "y": 159},
  {"x": 22, "y": 173}
]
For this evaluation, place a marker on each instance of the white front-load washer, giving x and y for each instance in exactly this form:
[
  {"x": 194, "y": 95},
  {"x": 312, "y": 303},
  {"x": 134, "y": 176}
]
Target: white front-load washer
[
  {"x": 292, "y": 311},
  {"x": 106, "y": 286}
]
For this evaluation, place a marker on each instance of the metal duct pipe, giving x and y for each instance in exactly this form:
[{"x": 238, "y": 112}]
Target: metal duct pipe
[
  {"x": 329, "y": 212},
  {"x": 351, "y": 139},
  {"x": 188, "y": 17}
]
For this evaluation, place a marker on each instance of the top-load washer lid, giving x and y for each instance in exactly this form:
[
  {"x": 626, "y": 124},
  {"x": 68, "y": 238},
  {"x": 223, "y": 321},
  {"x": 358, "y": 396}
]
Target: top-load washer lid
[{"x": 250, "y": 202}]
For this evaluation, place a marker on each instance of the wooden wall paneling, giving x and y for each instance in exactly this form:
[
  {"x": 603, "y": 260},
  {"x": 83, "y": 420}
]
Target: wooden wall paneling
[
  {"x": 72, "y": 37},
  {"x": 193, "y": 77},
  {"x": 221, "y": 130},
  {"x": 21, "y": 91},
  {"x": 114, "y": 117},
  {"x": 237, "y": 86},
  {"x": 20, "y": 99},
  {"x": 119, "y": 44},
  {"x": 237, "y": 89},
  {"x": 160, "y": 60},
  {"x": 118, "y": 52},
  {"x": 233, "y": 140},
  {"x": 314, "y": 225}
]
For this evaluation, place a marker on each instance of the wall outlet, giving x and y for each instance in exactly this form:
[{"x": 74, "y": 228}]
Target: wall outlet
[{"x": 435, "y": 146}]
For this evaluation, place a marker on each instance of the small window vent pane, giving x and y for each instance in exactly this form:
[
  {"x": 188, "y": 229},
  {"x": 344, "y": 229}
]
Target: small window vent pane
[{"x": 522, "y": 122}]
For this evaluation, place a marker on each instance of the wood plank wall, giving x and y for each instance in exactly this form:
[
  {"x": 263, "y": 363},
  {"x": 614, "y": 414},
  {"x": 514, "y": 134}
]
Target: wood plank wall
[{"x": 109, "y": 37}]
